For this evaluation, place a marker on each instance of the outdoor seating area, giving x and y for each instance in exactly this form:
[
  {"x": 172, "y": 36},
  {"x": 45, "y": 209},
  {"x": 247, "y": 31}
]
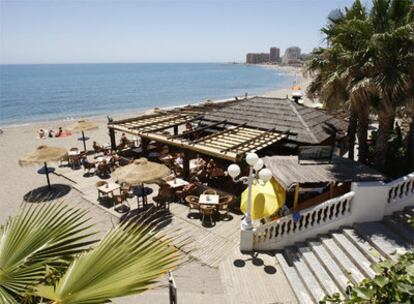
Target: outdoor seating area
[{"x": 123, "y": 185}]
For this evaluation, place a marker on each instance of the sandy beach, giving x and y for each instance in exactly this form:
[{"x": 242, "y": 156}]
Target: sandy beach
[{"x": 17, "y": 140}]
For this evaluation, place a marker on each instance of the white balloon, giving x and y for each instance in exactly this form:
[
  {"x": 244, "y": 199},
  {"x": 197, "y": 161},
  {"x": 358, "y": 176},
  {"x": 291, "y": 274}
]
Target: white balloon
[
  {"x": 265, "y": 175},
  {"x": 252, "y": 158},
  {"x": 259, "y": 165},
  {"x": 233, "y": 170}
]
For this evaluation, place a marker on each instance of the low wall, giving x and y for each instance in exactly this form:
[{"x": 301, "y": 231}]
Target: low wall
[{"x": 367, "y": 201}]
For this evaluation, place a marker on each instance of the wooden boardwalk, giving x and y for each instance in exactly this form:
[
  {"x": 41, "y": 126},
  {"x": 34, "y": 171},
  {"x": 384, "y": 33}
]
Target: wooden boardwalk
[{"x": 208, "y": 245}]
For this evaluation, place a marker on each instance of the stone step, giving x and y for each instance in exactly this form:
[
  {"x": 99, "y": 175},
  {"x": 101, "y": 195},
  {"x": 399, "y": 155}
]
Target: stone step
[
  {"x": 339, "y": 277},
  {"x": 354, "y": 254},
  {"x": 318, "y": 270},
  {"x": 305, "y": 274},
  {"x": 369, "y": 251},
  {"x": 409, "y": 210},
  {"x": 399, "y": 225},
  {"x": 383, "y": 239},
  {"x": 301, "y": 292},
  {"x": 342, "y": 260}
]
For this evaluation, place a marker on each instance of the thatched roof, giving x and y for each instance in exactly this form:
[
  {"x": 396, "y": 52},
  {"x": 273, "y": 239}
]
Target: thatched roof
[
  {"x": 312, "y": 126},
  {"x": 287, "y": 171}
]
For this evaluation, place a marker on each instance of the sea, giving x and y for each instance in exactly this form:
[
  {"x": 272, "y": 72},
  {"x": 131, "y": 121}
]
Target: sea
[{"x": 39, "y": 92}]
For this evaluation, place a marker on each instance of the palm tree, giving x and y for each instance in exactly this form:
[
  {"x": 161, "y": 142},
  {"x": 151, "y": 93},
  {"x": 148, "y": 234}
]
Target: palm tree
[
  {"x": 48, "y": 252},
  {"x": 375, "y": 54},
  {"x": 335, "y": 69},
  {"x": 391, "y": 55}
]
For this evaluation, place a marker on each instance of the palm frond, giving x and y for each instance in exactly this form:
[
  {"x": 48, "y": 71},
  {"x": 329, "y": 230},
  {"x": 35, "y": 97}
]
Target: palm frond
[
  {"x": 128, "y": 260},
  {"x": 38, "y": 236}
]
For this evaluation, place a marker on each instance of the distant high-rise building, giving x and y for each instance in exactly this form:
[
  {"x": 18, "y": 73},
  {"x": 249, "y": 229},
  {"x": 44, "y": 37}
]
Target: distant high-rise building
[
  {"x": 274, "y": 54},
  {"x": 254, "y": 58},
  {"x": 292, "y": 55}
]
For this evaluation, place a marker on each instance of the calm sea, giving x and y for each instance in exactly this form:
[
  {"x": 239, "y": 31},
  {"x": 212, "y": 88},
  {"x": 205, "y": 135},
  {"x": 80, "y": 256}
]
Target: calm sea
[{"x": 62, "y": 91}]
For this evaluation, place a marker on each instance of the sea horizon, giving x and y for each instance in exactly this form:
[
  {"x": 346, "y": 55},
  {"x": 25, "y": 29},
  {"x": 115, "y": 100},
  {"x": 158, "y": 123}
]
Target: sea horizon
[{"x": 33, "y": 93}]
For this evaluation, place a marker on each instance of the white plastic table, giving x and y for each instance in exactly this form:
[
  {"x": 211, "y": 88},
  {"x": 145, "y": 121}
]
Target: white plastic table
[
  {"x": 209, "y": 199},
  {"x": 109, "y": 188},
  {"x": 177, "y": 182}
]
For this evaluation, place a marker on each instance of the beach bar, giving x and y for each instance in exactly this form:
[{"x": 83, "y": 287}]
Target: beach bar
[{"x": 228, "y": 130}]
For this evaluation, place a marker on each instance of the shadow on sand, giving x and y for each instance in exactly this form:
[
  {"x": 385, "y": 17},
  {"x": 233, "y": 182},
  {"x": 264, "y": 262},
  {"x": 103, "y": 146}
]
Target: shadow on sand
[{"x": 44, "y": 194}]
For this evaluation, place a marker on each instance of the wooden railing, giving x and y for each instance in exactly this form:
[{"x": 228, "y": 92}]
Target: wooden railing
[
  {"x": 285, "y": 227},
  {"x": 400, "y": 189}
]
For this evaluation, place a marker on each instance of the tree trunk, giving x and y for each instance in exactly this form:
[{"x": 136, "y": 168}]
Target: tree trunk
[
  {"x": 363, "y": 123},
  {"x": 352, "y": 127},
  {"x": 386, "y": 124}
]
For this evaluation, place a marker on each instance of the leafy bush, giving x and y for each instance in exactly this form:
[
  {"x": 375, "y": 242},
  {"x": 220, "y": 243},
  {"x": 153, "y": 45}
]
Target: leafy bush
[{"x": 393, "y": 283}]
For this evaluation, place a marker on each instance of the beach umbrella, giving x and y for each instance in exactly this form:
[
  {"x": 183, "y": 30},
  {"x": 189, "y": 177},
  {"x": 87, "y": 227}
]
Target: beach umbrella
[
  {"x": 82, "y": 126},
  {"x": 140, "y": 171},
  {"x": 42, "y": 155},
  {"x": 267, "y": 198}
]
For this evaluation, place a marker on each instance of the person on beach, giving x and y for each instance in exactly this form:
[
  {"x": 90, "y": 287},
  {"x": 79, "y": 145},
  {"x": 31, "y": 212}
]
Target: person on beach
[
  {"x": 41, "y": 133},
  {"x": 51, "y": 133},
  {"x": 59, "y": 133}
]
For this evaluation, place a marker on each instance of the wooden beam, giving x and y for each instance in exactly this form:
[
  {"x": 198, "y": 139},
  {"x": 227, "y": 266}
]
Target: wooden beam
[
  {"x": 296, "y": 197},
  {"x": 167, "y": 119},
  {"x": 180, "y": 122},
  {"x": 199, "y": 129},
  {"x": 230, "y": 130},
  {"x": 249, "y": 141}
]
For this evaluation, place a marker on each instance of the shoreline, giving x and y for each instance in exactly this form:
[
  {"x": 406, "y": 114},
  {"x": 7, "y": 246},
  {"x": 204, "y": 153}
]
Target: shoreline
[{"x": 121, "y": 114}]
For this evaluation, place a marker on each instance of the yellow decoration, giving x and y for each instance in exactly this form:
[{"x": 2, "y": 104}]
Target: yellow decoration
[{"x": 266, "y": 199}]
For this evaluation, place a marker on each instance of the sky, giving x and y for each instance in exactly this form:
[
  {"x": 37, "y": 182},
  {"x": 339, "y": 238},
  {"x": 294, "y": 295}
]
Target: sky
[{"x": 69, "y": 31}]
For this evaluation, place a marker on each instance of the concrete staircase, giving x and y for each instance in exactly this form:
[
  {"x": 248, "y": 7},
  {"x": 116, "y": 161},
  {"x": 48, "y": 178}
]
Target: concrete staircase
[{"x": 331, "y": 262}]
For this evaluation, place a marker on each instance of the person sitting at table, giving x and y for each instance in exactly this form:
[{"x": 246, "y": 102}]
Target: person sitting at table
[
  {"x": 103, "y": 168},
  {"x": 188, "y": 127},
  {"x": 179, "y": 160},
  {"x": 114, "y": 160},
  {"x": 97, "y": 147},
  {"x": 124, "y": 142},
  {"x": 59, "y": 133},
  {"x": 199, "y": 162},
  {"x": 188, "y": 189},
  {"x": 87, "y": 164},
  {"x": 211, "y": 165}
]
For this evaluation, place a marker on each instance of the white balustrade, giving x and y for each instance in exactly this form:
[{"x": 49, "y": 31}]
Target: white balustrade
[
  {"x": 322, "y": 214},
  {"x": 367, "y": 201},
  {"x": 401, "y": 189}
]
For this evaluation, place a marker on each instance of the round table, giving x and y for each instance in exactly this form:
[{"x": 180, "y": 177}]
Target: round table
[
  {"x": 142, "y": 192},
  {"x": 43, "y": 170}
]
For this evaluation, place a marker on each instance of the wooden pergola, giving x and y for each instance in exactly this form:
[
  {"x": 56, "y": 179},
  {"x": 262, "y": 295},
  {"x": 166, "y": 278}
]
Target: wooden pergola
[{"x": 224, "y": 140}]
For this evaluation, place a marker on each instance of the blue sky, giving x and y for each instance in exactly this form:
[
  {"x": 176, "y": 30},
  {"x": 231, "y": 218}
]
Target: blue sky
[{"x": 64, "y": 31}]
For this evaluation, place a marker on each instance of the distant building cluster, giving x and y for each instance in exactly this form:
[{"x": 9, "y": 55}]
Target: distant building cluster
[{"x": 292, "y": 56}]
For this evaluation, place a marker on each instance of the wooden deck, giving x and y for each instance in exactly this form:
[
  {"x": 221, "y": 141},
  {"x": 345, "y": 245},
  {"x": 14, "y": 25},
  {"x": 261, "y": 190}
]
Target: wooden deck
[{"x": 208, "y": 245}]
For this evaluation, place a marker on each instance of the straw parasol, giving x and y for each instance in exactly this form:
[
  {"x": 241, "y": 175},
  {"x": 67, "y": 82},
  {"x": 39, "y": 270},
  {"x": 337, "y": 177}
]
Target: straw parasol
[
  {"x": 140, "y": 171},
  {"x": 82, "y": 126},
  {"x": 42, "y": 155}
]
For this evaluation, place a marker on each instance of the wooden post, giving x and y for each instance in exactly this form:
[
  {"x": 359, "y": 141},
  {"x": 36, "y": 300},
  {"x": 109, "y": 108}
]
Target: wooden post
[
  {"x": 144, "y": 144},
  {"x": 112, "y": 138},
  {"x": 175, "y": 130},
  {"x": 296, "y": 197},
  {"x": 331, "y": 189},
  {"x": 186, "y": 165}
]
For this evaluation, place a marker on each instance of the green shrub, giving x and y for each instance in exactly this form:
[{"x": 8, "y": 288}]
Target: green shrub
[{"x": 393, "y": 283}]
